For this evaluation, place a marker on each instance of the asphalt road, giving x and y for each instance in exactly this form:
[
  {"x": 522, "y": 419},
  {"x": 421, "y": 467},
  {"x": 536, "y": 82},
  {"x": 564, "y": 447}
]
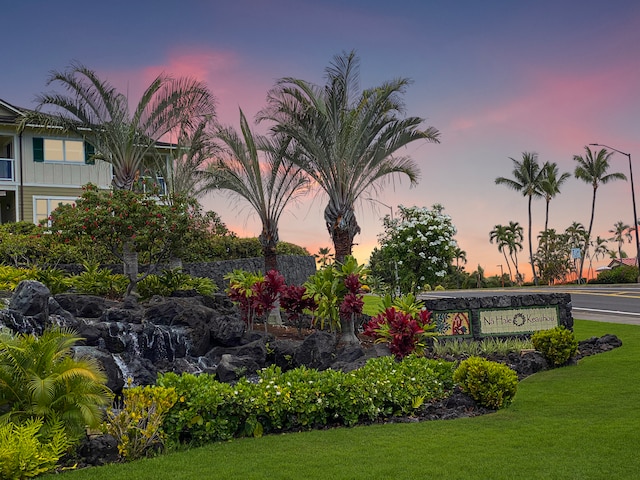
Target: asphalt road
[{"x": 603, "y": 303}]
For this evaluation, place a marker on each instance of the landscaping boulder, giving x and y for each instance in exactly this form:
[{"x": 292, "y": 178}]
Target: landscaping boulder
[
  {"x": 317, "y": 350},
  {"x": 232, "y": 367},
  {"x": 31, "y": 299}
]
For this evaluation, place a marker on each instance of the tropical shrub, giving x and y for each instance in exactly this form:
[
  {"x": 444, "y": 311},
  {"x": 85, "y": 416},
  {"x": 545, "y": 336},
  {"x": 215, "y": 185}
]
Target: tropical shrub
[
  {"x": 417, "y": 248},
  {"x": 337, "y": 290},
  {"x": 10, "y": 276},
  {"x": 99, "y": 281},
  {"x": 170, "y": 281},
  {"x": 621, "y": 274},
  {"x": 557, "y": 345},
  {"x": 295, "y": 301},
  {"x": 28, "y": 449},
  {"x": 302, "y": 398},
  {"x": 254, "y": 294},
  {"x": 40, "y": 378},
  {"x": 137, "y": 425},
  {"x": 57, "y": 281},
  {"x": 491, "y": 384},
  {"x": 404, "y": 325}
]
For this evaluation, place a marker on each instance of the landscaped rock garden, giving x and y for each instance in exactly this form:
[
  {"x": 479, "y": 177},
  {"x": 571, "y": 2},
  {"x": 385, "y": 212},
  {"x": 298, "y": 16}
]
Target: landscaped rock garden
[{"x": 196, "y": 334}]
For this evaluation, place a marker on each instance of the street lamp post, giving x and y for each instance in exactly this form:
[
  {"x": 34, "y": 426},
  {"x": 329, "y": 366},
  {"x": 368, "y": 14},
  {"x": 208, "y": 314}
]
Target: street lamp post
[
  {"x": 633, "y": 201},
  {"x": 395, "y": 263},
  {"x": 501, "y": 274}
]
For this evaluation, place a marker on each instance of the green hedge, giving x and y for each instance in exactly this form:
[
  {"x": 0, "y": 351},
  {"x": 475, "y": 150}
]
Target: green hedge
[{"x": 208, "y": 410}]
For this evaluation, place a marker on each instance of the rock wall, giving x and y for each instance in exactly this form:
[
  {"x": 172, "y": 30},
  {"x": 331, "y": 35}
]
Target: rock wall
[{"x": 295, "y": 268}]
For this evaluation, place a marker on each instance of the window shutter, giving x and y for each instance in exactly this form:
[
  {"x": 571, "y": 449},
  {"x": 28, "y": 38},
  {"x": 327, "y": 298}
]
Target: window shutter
[
  {"x": 89, "y": 152},
  {"x": 38, "y": 149}
]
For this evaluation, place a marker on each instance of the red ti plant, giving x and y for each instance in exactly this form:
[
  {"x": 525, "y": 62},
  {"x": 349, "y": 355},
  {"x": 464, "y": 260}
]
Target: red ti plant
[
  {"x": 294, "y": 302},
  {"x": 266, "y": 293},
  {"x": 351, "y": 305},
  {"x": 402, "y": 331}
]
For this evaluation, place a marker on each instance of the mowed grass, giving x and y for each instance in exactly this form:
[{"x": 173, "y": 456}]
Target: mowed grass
[{"x": 579, "y": 422}]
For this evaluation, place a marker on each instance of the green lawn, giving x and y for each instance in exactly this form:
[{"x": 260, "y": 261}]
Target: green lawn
[{"x": 580, "y": 422}]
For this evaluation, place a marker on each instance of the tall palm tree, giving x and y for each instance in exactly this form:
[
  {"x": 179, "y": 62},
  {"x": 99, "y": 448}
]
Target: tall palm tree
[
  {"x": 348, "y": 138},
  {"x": 550, "y": 184},
  {"x": 527, "y": 176},
  {"x": 620, "y": 232},
  {"x": 267, "y": 185},
  {"x": 515, "y": 237},
  {"x": 592, "y": 169},
  {"x": 500, "y": 234},
  {"x": 95, "y": 110}
]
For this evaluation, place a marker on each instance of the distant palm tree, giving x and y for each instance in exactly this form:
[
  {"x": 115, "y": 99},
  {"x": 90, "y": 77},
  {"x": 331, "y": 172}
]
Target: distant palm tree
[
  {"x": 527, "y": 177},
  {"x": 599, "y": 251},
  {"x": 501, "y": 235},
  {"x": 324, "y": 256},
  {"x": 550, "y": 184},
  {"x": 515, "y": 238},
  {"x": 592, "y": 169},
  {"x": 620, "y": 231},
  {"x": 461, "y": 257},
  {"x": 267, "y": 185},
  {"x": 349, "y": 138}
]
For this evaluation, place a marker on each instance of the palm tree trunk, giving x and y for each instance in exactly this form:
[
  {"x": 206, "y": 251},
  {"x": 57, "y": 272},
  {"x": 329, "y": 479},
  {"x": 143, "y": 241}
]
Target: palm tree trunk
[
  {"x": 533, "y": 268},
  {"x": 508, "y": 265},
  {"x": 342, "y": 243},
  {"x": 586, "y": 243}
]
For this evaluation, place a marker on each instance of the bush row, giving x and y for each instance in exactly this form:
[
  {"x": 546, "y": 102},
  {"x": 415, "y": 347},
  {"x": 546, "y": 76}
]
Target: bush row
[
  {"x": 99, "y": 281},
  {"x": 208, "y": 410}
]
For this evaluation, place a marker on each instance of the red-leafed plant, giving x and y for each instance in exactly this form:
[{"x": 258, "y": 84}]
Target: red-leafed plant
[
  {"x": 294, "y": 302},
  {"x": 266, "y": 294},
  {"x": 402, "y": 331}
]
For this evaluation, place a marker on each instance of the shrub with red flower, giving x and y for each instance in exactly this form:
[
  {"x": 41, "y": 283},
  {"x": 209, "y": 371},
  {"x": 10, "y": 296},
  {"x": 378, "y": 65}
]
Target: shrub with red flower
[
  {"x": 266, "y": 292},
  {"x": 294, "y": 301},
  {"x": 402, "y": 331}
]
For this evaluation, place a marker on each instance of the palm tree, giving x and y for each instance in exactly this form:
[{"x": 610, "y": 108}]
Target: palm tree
[
  {"x": 550, "y": 184},
  {"x": 593, "y": 169},
  {"x": 461, "y": 257},
  {"x": 621, "y": 231},
  {"x": 185, "y": 172},
  {"x": 267, "y": 185},
  {"x": 527, "y": 179},
  {"x": 96, "y": 111},
  {"x": 324, "y": 256},
  {"x": 515, "y": 237},
  {"x": 39, "y": 377},
  {"x": 599, "y": 251},
  {"x": 348, "y": 138},
  {"x": 500, "y": 234}
]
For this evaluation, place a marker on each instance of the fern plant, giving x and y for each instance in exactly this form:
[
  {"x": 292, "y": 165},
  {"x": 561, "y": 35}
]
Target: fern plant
[{"x": 28, "y": 449}]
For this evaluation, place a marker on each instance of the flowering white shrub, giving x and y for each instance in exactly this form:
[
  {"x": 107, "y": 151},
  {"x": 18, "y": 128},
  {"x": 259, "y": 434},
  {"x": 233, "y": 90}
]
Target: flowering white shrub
[{"x": 420, "y": 245}]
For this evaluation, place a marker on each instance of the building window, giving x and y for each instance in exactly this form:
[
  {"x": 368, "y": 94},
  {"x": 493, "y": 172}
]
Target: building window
[
  {"x": 43, "y": 206},
  {"x": 62, "y": 150}
]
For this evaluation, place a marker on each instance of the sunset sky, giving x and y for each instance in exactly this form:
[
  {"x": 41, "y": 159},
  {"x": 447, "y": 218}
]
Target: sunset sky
[{"x": 497, "y": 78}]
